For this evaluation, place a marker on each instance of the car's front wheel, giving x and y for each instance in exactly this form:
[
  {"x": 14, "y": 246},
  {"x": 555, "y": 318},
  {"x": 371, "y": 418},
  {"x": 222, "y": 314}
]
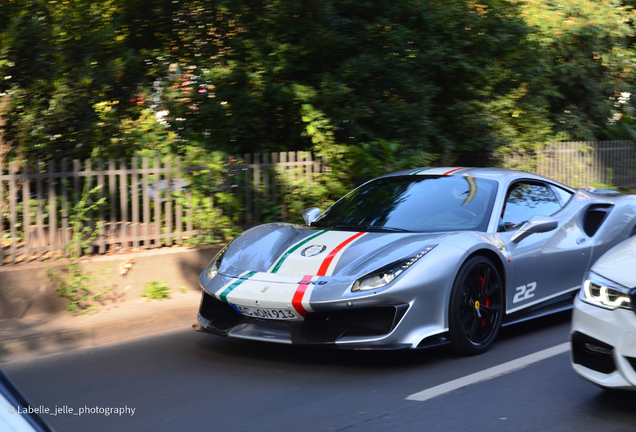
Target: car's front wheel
[{"x": 475, "y": 307}]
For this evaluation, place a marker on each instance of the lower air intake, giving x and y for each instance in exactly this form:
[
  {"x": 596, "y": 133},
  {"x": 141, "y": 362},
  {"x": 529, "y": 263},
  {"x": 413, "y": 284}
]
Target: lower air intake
[
  {"x": 592, "y": 354},
  {"x": 375, "y": 321},
  {"x": 222, "y": 315}
]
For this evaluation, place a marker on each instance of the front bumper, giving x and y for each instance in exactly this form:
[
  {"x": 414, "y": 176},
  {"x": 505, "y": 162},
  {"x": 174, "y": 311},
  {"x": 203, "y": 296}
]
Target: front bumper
[
  {"x": 357, "y": 328},
  {"x": 604, "y": 345}
]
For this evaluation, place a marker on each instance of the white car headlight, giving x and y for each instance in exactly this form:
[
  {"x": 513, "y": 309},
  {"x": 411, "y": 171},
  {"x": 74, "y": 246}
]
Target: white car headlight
[
  {"x": 382, "y": 278},
  {"x": 603, "y": 292},
  {"x": 213, "y": 267}
]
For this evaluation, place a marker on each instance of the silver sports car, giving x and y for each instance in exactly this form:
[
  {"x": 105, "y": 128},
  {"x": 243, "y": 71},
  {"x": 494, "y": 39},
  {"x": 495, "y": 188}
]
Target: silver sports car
[{"x": 415, "y": 259}]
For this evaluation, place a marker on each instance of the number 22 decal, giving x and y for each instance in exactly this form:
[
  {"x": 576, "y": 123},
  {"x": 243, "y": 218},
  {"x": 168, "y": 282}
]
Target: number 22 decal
[{"x": 524, "y": 292}]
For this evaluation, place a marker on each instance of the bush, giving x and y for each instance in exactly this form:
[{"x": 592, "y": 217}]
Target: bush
[{"x": 156, "y": 290}]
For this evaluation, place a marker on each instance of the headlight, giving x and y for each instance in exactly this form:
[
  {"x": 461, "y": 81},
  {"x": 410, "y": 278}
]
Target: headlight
[
  {"x": 213, "y": 267},
  {"x": 384, "y": 277},
  {"x": 605, "y": 293}
]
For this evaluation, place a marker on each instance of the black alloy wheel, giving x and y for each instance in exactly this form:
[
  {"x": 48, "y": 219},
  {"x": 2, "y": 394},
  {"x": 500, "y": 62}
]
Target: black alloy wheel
[{"x": 476, "y": 307}]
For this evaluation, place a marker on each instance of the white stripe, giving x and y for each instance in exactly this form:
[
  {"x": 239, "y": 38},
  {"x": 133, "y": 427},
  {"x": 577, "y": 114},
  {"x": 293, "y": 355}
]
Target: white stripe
[
  {"x": 277, "y": 278},
  {"x": 307, "y": 296},
  {"x": 297, "y": 264},
  {"x": 490, "y": 373},
  {"x": 542, "y": 299},
  {"x": 438, "y": 171},
  {"x": 277, "y": 295}
]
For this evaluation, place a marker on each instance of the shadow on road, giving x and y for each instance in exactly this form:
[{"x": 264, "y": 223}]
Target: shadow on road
[
  {"x": 317, "y": 356},
  {"x": 534, "y": 325},
  {"x": 228, "y": 349}
]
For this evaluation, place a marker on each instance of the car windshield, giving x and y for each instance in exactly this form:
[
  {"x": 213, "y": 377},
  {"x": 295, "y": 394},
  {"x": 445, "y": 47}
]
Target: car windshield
[{"x": 415, "y": 204}]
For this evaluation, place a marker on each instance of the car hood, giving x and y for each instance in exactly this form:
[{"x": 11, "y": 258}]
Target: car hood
[
  {"x": 290, "y": 250},
  {"x": 618, "y": 263}
]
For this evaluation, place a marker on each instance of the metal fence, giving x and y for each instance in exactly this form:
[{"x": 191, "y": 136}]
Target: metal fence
[
  {"x": 147, "y": 203},
  {"x": 582, "y": 164},
  {"x": 267, "y": 178}
]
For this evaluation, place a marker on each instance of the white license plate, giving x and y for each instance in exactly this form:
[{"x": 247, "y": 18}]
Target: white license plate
[{"x": 268, "y": 313}]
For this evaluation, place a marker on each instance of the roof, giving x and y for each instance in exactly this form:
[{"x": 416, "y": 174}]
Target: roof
[{"x": 497, "y": 174}]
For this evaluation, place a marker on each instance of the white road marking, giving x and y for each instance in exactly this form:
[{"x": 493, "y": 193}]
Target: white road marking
[{"x": 490, "y": 373}]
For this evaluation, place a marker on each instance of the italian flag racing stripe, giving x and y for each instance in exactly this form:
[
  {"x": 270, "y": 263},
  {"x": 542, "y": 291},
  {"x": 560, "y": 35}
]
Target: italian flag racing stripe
[
  {"x": 322, "y": 271},
  {"x": 290, "y": 251},
  {"x": 420, "y": 171},
  {"x": 438, "y": 171},
  {"x": 452, "y": 171},
  {"x": 297, "y": 301},
  {"x": 226, "y": 291},
  {"x": 315, "y": 256}
]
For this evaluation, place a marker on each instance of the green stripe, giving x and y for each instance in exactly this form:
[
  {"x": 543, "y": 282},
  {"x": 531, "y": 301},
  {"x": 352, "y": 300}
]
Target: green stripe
[
  {"x": 289, "y": 252},
  {"x": 229, "y": 289},
  {"x": 419, "y": 171}
]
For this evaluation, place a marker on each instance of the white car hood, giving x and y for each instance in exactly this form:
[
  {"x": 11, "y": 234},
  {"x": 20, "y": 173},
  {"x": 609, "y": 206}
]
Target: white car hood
[{"x": 619, "y": 263}]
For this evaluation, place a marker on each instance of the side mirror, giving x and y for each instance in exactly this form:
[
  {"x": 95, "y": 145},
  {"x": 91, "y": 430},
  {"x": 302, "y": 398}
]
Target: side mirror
[
  {"x": 536, "y": 224},
  {"x": 310, "y": 215}
]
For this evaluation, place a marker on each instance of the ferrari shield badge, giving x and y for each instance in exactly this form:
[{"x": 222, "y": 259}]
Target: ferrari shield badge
[{"x": 313, "y": 250}]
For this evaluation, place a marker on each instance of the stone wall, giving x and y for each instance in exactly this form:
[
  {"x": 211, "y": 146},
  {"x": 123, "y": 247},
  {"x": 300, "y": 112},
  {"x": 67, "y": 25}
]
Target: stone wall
[{"x": 27, "y": 289}]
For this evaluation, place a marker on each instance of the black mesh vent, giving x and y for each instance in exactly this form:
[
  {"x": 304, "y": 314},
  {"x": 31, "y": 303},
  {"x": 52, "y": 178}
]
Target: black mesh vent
[
  {"x": 592, "y": 354},
  {"x": 594, "y": 217},
  {"x": 222, "y": 315},
  {"x": 374, "y": 321},
  {"x": 318, "y": 327}
]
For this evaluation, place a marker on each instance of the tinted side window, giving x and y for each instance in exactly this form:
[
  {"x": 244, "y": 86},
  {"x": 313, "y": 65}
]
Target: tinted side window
[
  {"x": 525, "y": 200},
  {"x": 562, "y": 195}
]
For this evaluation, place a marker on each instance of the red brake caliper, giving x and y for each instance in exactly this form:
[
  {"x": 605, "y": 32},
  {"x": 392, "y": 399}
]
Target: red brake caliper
[{"x": 486, "y": 302}]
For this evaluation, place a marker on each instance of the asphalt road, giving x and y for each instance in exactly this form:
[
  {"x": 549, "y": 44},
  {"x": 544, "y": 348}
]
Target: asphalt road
[{"x": 187, "y": 381}]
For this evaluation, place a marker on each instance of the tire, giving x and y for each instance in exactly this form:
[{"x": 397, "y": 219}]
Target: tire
[{"x": 475, "y": 307}]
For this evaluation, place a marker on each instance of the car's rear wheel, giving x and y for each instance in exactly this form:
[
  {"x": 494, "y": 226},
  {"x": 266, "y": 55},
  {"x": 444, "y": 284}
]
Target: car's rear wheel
[{"x": 476, "y": 307}]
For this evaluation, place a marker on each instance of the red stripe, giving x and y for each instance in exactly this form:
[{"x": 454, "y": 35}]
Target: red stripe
[
  {"x": 322, "y": 271},
  {"x": 452, "y": 171},
  {"x": 297, "y": 301}
]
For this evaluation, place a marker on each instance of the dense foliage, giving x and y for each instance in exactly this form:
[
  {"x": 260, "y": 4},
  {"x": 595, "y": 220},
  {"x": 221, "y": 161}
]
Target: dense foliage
[
  {"x": 589, "y": 63},
  {"x": 445, "y": 82}
]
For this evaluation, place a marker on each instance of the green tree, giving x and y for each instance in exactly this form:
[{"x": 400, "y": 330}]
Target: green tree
[
  {"x": 590, "y": 62},
  {"x": 62, "y": 62},
  {"x": 450, "y": 78}
]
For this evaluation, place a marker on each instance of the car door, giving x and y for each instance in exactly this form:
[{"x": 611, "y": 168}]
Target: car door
[{"x": 543, "y": 265}]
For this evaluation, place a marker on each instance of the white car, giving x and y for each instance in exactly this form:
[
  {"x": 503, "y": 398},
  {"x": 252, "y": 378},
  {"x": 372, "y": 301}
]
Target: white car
[
  {"x": 603, "y": 334},
  {"x": 17, "y": 414}
]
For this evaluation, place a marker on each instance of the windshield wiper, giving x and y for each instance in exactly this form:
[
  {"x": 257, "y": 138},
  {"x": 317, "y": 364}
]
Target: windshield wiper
[{"x": 369, "y": 228}]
